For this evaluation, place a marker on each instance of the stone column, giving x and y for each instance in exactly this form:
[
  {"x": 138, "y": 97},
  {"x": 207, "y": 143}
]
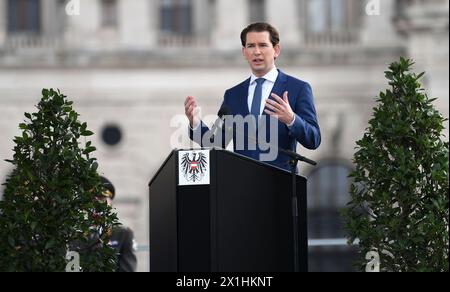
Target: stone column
[
  {"x": 286, "y": 16},
  {"x": 3, "y": 22},
  {"x": 53, "y": 18},
  {"x": 203, "y": 20},
  {"x": 426, "y": 27},
  {"x": 379, "y": 29},
  {"x": 138, "y": 23},
  {"x": 82, "y": 30},
  {"x": 232, "y": 17}
]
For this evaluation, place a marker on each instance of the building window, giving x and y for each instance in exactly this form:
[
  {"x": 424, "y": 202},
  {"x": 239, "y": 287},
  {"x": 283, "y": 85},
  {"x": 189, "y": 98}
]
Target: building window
[
  {"x": 329, "y": 15},
  {"x": 401, "y": 7},
  {"x": 176, "y": 17},
  {"x": 109, "y": 14},
  {"x": 24, "y": 16},
  {"x": 257, "y": 9},
  {"x": 328, "y": 194},
  {"x": 333, "y": 21},
  {"x": 112, "y": 135}
]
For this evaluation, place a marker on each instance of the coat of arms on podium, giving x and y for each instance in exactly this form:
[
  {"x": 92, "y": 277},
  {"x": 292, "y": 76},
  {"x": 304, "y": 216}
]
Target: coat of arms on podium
[{"x": 193, "y": 167}]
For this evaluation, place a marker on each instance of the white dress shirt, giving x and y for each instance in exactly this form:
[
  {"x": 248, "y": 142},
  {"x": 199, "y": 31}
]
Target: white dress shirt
[{"x": 267, "y": 87}]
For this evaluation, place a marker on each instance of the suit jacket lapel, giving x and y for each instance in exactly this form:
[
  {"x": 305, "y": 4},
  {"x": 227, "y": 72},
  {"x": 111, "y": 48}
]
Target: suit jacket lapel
[
  {"x": 243, "y": 95},
  {"x": 279, "y": 87}
]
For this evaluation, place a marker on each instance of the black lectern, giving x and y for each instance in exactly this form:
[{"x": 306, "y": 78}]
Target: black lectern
[{"x": 240, "y": 222}]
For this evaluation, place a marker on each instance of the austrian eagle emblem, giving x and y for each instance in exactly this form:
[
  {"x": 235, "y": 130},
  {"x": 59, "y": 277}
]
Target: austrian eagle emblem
[{"x": 194, "y": 166}]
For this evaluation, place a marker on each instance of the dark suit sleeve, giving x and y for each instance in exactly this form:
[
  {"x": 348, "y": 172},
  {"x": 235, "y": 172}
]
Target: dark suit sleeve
[
  {"x": 197, "y": 135},
  {"x": 306, "y": 127},
  {"x": 127, "y": 260}
]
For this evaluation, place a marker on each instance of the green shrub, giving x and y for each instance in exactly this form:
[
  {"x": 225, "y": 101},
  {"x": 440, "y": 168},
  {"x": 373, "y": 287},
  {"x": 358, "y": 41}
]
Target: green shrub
[
  {"x": 49, "y": 205},
  {"x": 400, "y": 195}
]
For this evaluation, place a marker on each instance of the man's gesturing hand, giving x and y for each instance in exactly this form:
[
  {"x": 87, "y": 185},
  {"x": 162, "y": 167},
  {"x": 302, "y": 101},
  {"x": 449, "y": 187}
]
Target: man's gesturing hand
[
  {"x": 280, "y": 108},
  {"x": 191, "y": 111}
]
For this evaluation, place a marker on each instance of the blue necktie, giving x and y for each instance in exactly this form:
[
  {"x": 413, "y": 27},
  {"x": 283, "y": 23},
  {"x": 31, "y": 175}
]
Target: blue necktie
[{"x": 257, "y": 98}]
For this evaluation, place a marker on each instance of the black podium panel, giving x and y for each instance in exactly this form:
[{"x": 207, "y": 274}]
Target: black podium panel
[
  {"x": 163, "y": 218},
  {"x": 240, "y": 222}
]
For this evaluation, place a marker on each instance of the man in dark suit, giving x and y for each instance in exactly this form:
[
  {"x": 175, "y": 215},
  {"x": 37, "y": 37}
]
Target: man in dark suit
[
  {"x": 268, "y": 95},
  {"x": 122, "y": 238}
]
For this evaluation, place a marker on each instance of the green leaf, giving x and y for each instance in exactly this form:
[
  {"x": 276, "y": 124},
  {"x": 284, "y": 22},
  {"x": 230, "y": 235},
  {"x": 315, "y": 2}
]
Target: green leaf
[
  {"x": 11, "y": 241},
  {"x": 89, "y": 149},
  {"x": 73, "y": 116},
  {"x": 420, "y": 75},
  {"x": 51, "y": 243},
  {"x": 87, "y": 133},
  {"x": 389, "y": 75}
]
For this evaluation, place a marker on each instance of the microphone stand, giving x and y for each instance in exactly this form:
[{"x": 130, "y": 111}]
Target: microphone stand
[
  {"x": 295, "y": 158},
  {"x": 293, "y": 162}
]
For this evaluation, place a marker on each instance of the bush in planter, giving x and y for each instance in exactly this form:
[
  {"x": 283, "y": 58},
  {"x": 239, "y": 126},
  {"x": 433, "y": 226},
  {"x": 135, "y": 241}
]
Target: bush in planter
[
  {"x": 400, "y": 195},
  {"x": 49, "y": 205}
]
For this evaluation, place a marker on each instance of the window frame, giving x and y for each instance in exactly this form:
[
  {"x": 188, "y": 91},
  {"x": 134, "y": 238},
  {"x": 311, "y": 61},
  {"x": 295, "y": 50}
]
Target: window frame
[{"x": 24, "y": 16}]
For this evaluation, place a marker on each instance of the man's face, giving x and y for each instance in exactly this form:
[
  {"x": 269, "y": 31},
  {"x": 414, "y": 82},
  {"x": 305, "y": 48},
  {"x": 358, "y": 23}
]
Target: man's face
[{"x": 260, "y": 53}]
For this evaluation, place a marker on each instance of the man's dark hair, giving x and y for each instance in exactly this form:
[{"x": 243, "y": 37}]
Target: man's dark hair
[{"x": 261, "y": 27}]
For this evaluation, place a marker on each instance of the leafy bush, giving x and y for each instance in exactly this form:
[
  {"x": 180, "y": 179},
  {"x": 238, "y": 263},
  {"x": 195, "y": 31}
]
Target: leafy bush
[
  {"x": 49, "y": 204},
  {"x": 400, "y": 195}
]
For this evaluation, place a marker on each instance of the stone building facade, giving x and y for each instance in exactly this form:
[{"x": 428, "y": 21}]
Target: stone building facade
[{"x": 129, "y": 64}]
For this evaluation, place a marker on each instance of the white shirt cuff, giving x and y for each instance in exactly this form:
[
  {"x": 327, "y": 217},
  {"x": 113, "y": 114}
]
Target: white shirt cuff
[
  {"x": 195, "y": 129},
  {"x": 293, "y": 122}
]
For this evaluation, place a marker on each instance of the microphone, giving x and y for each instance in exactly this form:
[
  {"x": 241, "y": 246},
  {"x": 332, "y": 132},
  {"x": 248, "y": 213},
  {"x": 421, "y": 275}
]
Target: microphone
[
  {"x": 297, "y": 156},
  {"x": 216, "y": 129}
]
